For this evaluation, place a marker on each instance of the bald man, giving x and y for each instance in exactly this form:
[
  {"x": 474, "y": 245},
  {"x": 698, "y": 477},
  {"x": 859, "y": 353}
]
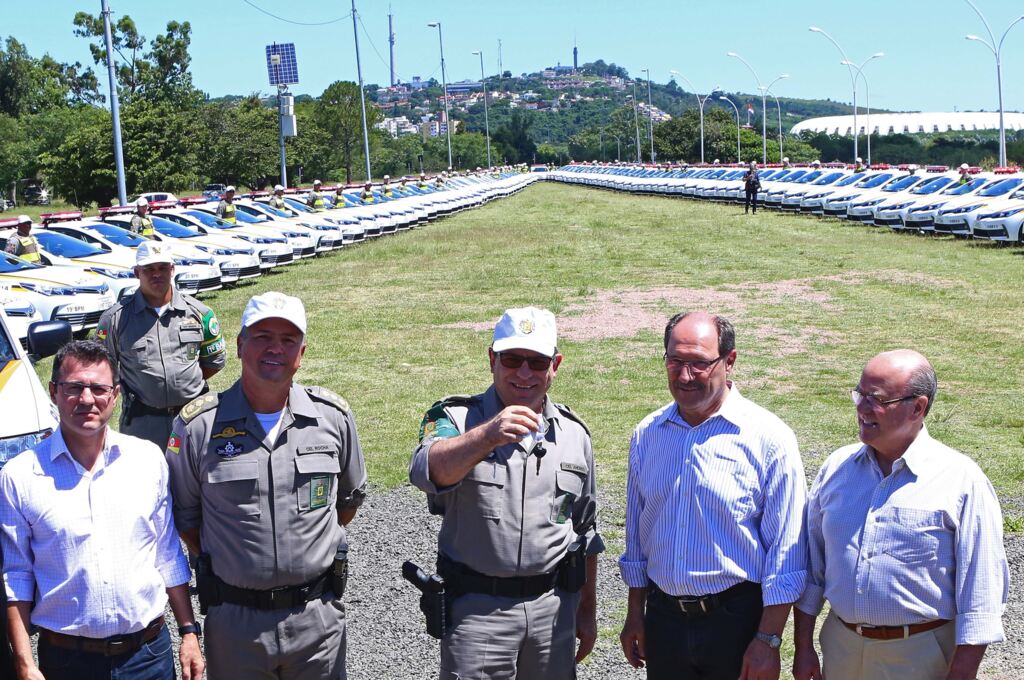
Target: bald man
[{"x": 905, "y": 540}]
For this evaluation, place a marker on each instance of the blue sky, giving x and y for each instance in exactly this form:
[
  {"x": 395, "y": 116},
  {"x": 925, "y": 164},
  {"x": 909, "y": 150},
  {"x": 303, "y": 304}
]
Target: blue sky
[{"x": 928, "y": 64}]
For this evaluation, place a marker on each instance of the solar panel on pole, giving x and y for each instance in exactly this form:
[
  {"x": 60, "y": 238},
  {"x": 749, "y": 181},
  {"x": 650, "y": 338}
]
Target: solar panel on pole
[{"x": 282, "y": 68}]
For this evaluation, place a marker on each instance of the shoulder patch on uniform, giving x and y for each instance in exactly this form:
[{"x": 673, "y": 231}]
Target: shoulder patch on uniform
[
  {"x": 436, "y": 422},
  {"x": 322, "y": 394},
  {"x": 198, "y": 405},
  {"x": 568, "y": 413}
]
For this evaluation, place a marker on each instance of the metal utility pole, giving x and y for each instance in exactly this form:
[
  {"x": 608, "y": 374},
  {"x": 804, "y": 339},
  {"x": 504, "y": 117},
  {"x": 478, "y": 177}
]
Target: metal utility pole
[
  {"x": 444, "y": 84},
  {"x": 501, "y": 69},
  {"x": 115, "y": 107},
  {"x": 853, "y": 83},
  {"x": 362, "y": 93},
  {"x": 867, "y": 92},
  {"x": 700, "y": 104},
  {"x": 487, "y": 122},
  {"x": 636, "y": 119},
  {"x": 764, "y": 106},
  {"x": 281, "y": 89},
  {"x": 650, "y": 112}
]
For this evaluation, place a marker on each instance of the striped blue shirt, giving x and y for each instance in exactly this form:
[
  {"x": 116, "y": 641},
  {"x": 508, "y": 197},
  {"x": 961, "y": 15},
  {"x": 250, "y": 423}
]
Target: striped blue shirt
[
  {"x": 923, "y": 543},
  {"x": 717, "y": 504}
]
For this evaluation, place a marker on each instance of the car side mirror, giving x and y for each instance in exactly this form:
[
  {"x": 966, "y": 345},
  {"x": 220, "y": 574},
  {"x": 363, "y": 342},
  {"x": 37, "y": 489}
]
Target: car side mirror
[{"x": 46, "y": 337}]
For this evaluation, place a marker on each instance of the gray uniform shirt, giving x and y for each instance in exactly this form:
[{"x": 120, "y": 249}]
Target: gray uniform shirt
[
  {"x": 267, "y": 511},
  {"x": 512, "y": 513},
  {"x": 162, "y": 359}
]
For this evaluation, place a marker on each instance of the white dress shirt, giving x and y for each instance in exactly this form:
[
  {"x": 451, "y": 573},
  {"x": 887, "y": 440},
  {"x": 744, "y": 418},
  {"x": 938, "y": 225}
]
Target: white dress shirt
[
  {"x": 717, "y": 504},
  {"x": 99, "y": 547},
  {"x": 923, "y": 543}
]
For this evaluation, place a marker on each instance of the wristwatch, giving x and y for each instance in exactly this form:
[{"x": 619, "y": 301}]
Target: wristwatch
[
  {"x": 193, "y": 627},
  {"x": 770, "y": 639}
]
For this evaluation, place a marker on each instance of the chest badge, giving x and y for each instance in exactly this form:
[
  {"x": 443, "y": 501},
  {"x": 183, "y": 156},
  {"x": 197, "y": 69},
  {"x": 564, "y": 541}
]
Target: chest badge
[
  {"x": 319, "y": 491},
  {"x": 228, "y": 433},
  {"x": 229, "y": 450}
]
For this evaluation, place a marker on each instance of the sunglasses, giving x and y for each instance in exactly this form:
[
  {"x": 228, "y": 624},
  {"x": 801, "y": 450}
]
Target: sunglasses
[{"x": 516, "y": 360}]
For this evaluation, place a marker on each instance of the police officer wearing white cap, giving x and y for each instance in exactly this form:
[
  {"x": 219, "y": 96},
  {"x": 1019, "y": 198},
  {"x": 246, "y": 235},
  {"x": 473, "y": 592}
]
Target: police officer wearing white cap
[
  {"x": 167, "y": 344},
  {"x": 264, "y": 478},
  {"x": 965, "y": 173},
  {"x": 22, "y": 243},
  {"x": 315, "y": 199},
  {"x": 141, "y": 223},
  {"x": 277, "y": 200},
  {"x": 512, "y": 474},
  {"x": 226, "y": 207}
]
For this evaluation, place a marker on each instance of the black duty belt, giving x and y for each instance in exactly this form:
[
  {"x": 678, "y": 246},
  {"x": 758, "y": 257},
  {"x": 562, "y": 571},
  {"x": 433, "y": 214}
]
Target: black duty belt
[
  {"x": 111, "y": 646},
  {"x": 287, "y": 597},
  {"x": 140, "y": 409},
  {"x": 704, "y": 604},
  {"x": 465, "y": 580}
]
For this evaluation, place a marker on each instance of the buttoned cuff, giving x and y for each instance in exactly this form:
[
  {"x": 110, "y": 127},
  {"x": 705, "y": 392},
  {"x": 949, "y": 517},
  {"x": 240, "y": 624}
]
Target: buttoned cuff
[
  {"x": 783, "y": 588},
  {"x": 979, "y": 628},
  {"x": 595, "y": 544},
  {"x": 812, "y": 601},
  {"x": 634, "y": 574},
  {"x": 20, "y": 586},
  {"x": 175, "y": 572}
]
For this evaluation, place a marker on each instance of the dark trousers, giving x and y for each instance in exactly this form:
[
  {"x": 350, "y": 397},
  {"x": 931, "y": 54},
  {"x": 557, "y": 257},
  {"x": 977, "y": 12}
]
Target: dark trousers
[
  {"x": 751, "y": 200},
  {"x": 699, "y": 647},
  {"x": 151, "y": 661}
]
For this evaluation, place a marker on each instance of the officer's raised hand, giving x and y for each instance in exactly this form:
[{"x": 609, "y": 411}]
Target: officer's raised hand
[{"x": 452, "y": 458}]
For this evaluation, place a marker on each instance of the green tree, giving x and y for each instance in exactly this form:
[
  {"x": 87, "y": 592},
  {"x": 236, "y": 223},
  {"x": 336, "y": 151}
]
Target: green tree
[
  {"x": 126, "y": 41},
  {"x": 515, "y": 139},
  {"x": 29, "y": 85},
  {"x": 162, "y": 150},
  {"x": 338, "y": 114},
  {"x": 81, "y": 168}
]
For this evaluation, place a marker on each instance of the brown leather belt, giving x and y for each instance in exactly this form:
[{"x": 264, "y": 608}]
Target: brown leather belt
[
  {"x": 111, "y": 646},
  {"x": 892, "y": 632}
]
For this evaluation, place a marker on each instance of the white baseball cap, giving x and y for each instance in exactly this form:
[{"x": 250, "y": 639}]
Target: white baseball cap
[
  {"x": 153, "y": 252},
  {"x": 529, "y": 328},
  {"x": 274, "y": 305},
  {"x": 859, "y": 159},
  {"x": 141, "y": 202},
  {"x": 316, "y": 182},
  {"x": 278, "y": 187},
  {"x": 387, "y": 176},
  {"x": 964, "y": 166},
  {"x": 230, "y": 187},
  {"x": 22, "y": 219}
]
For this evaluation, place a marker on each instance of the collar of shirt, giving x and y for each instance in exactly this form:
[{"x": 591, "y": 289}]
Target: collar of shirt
[
  {"x": 492, "y": 404},
  {"x": 139, "y": 301},
  {"x": 58, "y": 447},
  {"x": 731, "y": 409},
  {"x": 915, "y": 458},
  {"x": 234, "y": 406}
]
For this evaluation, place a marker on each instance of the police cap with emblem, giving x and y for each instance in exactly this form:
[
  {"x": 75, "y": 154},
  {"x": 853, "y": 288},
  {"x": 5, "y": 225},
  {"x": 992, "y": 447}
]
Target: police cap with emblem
[
  {"x": 528, "y": 328},
  {"x": 274, "y": 305},
  {"x": 153, "y": 252}
]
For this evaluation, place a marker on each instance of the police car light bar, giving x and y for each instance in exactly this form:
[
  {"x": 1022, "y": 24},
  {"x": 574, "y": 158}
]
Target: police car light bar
[
  {"x": 256, "y": 194},
  {"x": 117, "y": 210},
  {"x": 8, "y": 223},
  {"x": 881, "y": 166},
  {"x": 936, "y": 168},
  {"x": 1006, "y": 170},
  {"x": 295, "y": 191},
  {"x": 193, "y": 200},
  {"x": 154, "y": 205},
  {"x": 67, "y": 216}
]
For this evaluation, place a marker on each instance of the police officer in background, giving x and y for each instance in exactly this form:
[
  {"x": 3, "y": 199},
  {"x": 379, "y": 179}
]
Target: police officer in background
[
  {"x": 366, "y": 195},
  {"x": 315, "y": 199},
  {"x": 226, "y": 207},
  {"x": 385, "y": 188},
  {"x": 264, "y": 478},
  {"x": 167, "y": 345},
  {"x": 23, "y": 243},
  {"x": 277, "y": 200},
  {"x": 512, "y": 474},
  {"x": 141, "y": 223}
]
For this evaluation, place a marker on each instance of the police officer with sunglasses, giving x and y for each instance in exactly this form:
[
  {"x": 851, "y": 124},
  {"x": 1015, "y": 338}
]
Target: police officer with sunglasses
[{"x": 512, "y": 474}]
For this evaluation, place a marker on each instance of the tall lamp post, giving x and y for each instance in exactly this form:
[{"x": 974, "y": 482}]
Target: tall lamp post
[
  {"x": 618, "y": 147},
  {"x": 765, "y": 91},
  {"x": 764, "y": 112},
  {"x": 487, "y": 123},
  {"x": 700, "y": 103},
  {"x": 853, "y": 84},
  {"x": 721, "y": 96},
  {"x": 867, "y": 92},
  {"x": 362, "y": 94},
  {"x": 997, "y": 51},
  {"x": 650, "y": 112},
  {"x": 636, "y": 119},
  {"x": 444, "y": 84},
  {"x": 115, "y": 108}
]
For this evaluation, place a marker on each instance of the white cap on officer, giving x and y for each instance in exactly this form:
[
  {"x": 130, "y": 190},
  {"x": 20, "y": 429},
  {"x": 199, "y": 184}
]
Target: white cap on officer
[
  {"x": 230, "y": 187},
  {"x": 22, "y": 219},
  {"x": 142, "y": 202},
  {"x": 153, "y": 252},
  {"x": 964, "y": 166},
  {"x": 316, "y": 182},
  {"x": 529, "y": 328},
  {"x": 274, "y": 305},
  {"x": 278, "y": 187}
]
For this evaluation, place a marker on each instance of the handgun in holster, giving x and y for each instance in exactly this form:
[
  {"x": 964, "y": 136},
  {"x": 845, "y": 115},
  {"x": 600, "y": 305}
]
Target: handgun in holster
[
  {"x": 206, "y": 584},
  {"x": 128, "y": 404},
  {"x": 339, "y": 570},
  {"x": 572, "y": 570},
  {"x": 433, "y": 598}
]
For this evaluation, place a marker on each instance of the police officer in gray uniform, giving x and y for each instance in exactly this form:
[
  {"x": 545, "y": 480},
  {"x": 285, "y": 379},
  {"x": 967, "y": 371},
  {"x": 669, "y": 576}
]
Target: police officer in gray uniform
[
  {"x": 264, "y": 477},
  {"x": 167, "y": 344},
  {"x": 509, "y": 470}
]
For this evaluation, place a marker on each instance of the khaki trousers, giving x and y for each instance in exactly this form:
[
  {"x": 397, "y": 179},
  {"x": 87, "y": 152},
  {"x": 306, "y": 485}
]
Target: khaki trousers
[{"x": 848, "y": 656}]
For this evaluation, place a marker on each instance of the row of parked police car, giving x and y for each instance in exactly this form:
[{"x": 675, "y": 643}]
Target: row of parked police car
[
  {"x": 964, "y": 202},
  {"x": 86, "y": 263}
]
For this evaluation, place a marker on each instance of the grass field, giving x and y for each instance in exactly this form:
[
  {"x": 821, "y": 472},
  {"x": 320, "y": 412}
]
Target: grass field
[{"x": 398, "y": 323}]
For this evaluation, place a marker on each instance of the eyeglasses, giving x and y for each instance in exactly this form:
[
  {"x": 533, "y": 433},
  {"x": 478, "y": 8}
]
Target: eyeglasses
[
  {"x": 698, "y": 367},
  {"x": 75, "y": 389},
  {"x": 874, "y": 402},
  {"x": 514, "y": 361}
]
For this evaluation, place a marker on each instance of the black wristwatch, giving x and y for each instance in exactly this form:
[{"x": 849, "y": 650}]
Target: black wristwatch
[{"x": 193, "y": 627}]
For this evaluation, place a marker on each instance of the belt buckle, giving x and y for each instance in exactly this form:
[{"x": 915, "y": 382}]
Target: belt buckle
[
  {"x": 685, "y": 601},
  {"x": 116, "y": 646},
  {"x": 861, "y": 627}
]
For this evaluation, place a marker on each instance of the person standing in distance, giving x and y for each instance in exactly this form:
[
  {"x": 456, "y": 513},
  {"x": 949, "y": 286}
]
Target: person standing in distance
[
  {"x": 141, "y": 223},
  {"x": 22, "y": 243},
  {"x": 751, "y": 185},
  {"x": 167, "y": 345},
  {"x": 715, "y": 552},
  {"x": 91, "y": 557},
  {"x": 511, "y": 472},
  {"x": 226, "y": 207},
  {"x": 906, "y": 544},
  {"x": 277, "y": 200},
  {"x": 264, "y": 478}
]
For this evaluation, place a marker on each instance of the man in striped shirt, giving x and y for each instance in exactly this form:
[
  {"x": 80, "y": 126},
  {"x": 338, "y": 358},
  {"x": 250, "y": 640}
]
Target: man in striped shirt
[
  {"x": 715, "y": 555},
  {"x": 906, "y": 543}
]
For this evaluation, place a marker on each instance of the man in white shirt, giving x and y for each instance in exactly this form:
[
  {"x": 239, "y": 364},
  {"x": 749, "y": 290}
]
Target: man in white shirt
[
  {"x": 905, "y": 539},
  {"x": 91, "y": 555}
]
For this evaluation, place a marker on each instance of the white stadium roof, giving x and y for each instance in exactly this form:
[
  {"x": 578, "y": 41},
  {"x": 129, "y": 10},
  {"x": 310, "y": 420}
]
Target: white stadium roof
[{"x": 911, "y": 123}]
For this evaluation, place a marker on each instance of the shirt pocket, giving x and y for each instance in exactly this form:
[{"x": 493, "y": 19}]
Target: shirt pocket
[
  {"x": 568, "y": 488},
  {"x": 316, "y": 481},
  {"x": 913, "y": 535},
  {"x": 235, "y": 488},
  {"x": 728, "y": 484},
  {"x": 483, "y": 489},
  {"x": 190, "y": 338}
]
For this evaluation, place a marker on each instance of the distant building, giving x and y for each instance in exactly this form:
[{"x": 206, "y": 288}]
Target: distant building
[
  {"x": 657, "y": 115},
  {"x": 397, "y": 126},
  {"x": 911, "y": 123},
  {"x": 418, "y": 84},
  {"x": 464, "y": 87}
]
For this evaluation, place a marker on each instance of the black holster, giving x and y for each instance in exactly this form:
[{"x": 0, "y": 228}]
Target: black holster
[
  {"x": 435, "y": 599},
  {"x": 572, "y": 571},
  {"x": 339, "y": 570},
  {"x": 206, "y": 584},
  {"x": 128, "y": 399}
]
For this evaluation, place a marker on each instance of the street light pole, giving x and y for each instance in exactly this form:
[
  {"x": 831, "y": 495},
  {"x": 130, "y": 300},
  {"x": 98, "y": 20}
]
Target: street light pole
[
  {"x": 636, "y": 119},
  {"x": 650, "y": 112},
  {"x": 997, "y": 52},
  {"x": 853, "y": 84},
  {"x": 362, "y": 94},
  {"x": 700, "y": 103},
  {"x": 444, "y": 84},
  {"x": 618, "y": 148},
  {"x": 115, "y": 108},
  {"x": 867, "y": 92},
  {"x": 724, "y": 98},
  {"x": 487, "y": 123},
  {"x": 764, "y": 113},
  {"x": 765, "y": 91}
]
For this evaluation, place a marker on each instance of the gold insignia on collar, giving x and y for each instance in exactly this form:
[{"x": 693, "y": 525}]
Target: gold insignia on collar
[{"x": 229, "y": 432}]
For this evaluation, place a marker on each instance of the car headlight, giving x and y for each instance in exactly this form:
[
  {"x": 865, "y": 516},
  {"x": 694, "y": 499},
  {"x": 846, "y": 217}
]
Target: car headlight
[
  {"x": 898, "y": 206},
  {"x": 12, "y": 446},
  {"x": 44, "y": 289},
  {"x": 923, "y": 208},
  {"x": 113, "y": 273},
  {"x": 868, "y": 204},
  {"x": 962, "y": 210},
  {"x": 233, "y": 251},
  {"x": 1001, "y": 214}
]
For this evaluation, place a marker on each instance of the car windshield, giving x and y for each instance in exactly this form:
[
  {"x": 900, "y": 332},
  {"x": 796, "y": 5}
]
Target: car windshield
[
  {"x": 1001, "y": 187},
  {"x": 828, "y": 179},
  {"x": 247, "y": 218},
  {"x": 967, "y": 188},
  {"x": 298, "y": 205},
  {"x": 875, "y": 180},
  {"x": 209, "y": 220},
  {"x": 9, "y": 263},
  {"x": 931, "y": 186},
  {"x": 846, "y": 181},
  {"x": 117, "y": 235},
  {"x": 901, "y": 183},
  {"x": 65, "y": 246},
  {"x": 794, "y": 176},
  {"x": 266, "y": 209},
  {"x": 173, "y": 229}
]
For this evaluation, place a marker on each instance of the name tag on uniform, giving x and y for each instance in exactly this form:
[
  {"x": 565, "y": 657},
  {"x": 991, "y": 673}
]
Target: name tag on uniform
[
  {"x": 575, "y": 467},
  {"x": 319, "y": 491},
  {"x": 191, "y": 326},
  {"x": 316, "y": 448}
]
